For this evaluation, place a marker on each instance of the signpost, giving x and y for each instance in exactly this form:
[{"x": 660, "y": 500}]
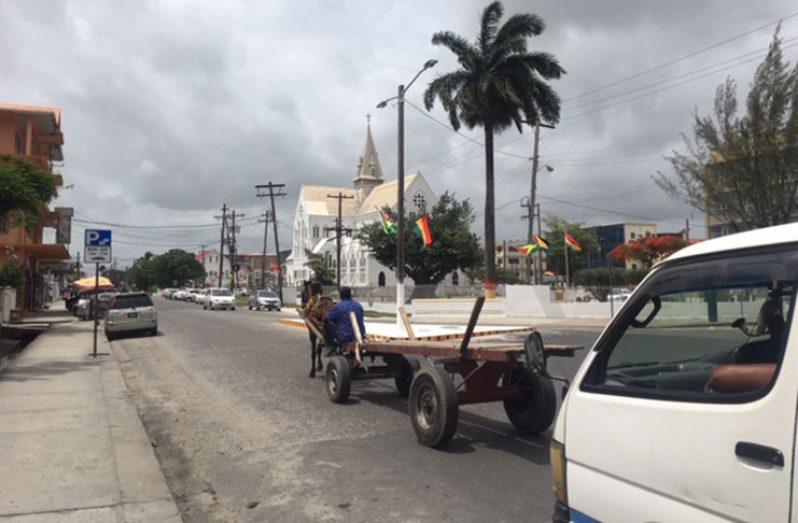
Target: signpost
[{"x": 97, "y": 249}]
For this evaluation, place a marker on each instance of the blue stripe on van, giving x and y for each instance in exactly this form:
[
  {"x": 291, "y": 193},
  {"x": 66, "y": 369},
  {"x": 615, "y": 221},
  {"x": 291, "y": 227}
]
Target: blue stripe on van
[{"x": 579, "y": 517}]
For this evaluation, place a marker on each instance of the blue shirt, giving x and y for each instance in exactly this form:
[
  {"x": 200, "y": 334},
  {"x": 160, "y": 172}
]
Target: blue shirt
[{"x": 339, "y": 315}]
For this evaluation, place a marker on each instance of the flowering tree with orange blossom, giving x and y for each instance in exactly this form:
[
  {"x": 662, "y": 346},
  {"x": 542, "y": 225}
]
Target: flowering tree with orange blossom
[{"x": 649, "y": 249}]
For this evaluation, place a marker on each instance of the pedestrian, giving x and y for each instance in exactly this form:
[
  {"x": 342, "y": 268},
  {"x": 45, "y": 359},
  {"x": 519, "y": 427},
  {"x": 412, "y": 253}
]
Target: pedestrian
[{"x": 337, "y": 325}]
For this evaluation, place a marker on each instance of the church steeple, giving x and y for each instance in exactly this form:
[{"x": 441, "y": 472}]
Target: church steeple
[{"x": 369, "y": 172}]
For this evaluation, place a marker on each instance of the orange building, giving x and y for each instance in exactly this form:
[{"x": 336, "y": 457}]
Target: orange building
[{"x": 32, "y": 133}]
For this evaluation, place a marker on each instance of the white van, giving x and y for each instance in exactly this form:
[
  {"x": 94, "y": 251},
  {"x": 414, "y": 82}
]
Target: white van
[{"x": 685, "y": 408}]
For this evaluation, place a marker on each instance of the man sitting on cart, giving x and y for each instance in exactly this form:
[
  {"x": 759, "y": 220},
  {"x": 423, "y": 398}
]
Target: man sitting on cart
[{"x": 337, "y": 325}]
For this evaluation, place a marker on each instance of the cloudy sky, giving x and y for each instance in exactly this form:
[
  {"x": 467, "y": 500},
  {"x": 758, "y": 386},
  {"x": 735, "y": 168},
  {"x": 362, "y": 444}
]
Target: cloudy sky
[{"x": 172, "y": 108}]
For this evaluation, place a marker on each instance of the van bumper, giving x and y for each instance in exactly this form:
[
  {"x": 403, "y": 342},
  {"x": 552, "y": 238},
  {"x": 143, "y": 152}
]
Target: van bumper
[{"x": 561, "y": 513}]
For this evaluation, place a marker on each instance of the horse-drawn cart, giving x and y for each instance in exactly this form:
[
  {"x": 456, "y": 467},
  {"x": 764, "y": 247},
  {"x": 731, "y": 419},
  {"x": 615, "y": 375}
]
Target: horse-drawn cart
[{"x": 489, "y": 370}]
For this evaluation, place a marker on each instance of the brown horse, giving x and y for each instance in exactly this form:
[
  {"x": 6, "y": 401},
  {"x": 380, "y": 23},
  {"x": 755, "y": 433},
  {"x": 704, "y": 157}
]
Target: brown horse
[{"x": 315, "y": 317}]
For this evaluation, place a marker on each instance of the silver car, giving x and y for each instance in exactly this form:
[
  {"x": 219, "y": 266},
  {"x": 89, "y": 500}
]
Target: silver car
[
  {"x": 264, "y": 299},
  {"x": 131, "y": 311}
]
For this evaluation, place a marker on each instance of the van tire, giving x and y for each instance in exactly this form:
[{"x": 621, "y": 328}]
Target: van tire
[
  {"x": 535, "y": 412},
  {"x": 434, "y": 407}
]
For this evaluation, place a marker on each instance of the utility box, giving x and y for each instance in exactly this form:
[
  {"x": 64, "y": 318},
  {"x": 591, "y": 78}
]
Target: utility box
[{"x": 8, "y": 302}]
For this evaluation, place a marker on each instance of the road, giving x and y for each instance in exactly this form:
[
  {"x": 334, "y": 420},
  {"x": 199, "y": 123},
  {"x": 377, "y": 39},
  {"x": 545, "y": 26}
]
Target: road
[{"x": 242, "y": 433}]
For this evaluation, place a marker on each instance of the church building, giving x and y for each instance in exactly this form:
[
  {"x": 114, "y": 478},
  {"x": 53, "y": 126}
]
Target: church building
[{"x": 317, "y": 211}]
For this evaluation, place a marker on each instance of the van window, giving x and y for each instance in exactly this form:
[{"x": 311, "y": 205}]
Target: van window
[
  {"x": 705, "y": 330},
  {"x": 131, "y": 301}
]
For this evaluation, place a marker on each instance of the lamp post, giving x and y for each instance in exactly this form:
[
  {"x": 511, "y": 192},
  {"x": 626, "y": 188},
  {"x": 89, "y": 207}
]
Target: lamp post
[{"x": 400, "y": 187}]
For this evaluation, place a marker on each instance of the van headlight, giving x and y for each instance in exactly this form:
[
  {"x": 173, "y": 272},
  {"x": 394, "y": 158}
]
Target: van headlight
[{"x": 557, "y": 459}]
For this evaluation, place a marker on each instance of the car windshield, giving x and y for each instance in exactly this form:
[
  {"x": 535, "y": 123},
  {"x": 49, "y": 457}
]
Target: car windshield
[
  {"x": 266, "y": 294},
  {"x": 221, "y": 292}
]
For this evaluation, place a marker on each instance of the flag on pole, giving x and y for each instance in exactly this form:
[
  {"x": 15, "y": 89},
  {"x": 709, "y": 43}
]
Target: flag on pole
[
  {"x": 528, "y": 248},
  {"x": 387, "y": 224},
  {"x": 572, "y": 243},
  {"x": 421, "y": 227},
  {"x": 540, "y": 242},
  {"x": 274, "y": 267}
]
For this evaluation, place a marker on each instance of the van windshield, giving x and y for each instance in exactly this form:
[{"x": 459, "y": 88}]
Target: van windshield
[{"x": 694, "y": 324}]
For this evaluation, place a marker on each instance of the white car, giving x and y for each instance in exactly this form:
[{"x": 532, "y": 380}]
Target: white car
[
  {"x": 685, "y": 408},
  {"x": 264, "y": 299},
  {"x": 131, "y": 311},
  {"x": 219, "y": 299}
]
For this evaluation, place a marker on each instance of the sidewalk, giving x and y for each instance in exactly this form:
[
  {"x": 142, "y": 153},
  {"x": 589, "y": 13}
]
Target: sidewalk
[{"x": 72, "y": 446}]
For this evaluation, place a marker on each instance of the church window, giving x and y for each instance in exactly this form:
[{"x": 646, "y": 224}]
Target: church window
[
  {"x": 455, "y": 278},
  {"x": 381, "y": 279},
  {"x": 420, "y": 202},
  {"x": 315, "y": 231}
]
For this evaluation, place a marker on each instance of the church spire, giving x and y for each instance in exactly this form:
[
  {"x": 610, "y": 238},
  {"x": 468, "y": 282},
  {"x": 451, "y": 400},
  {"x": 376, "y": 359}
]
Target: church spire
[{"x": 369, "y": 172}]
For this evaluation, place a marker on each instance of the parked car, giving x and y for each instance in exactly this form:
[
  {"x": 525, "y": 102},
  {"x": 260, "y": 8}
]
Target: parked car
[
  {"x": 219, "y": 299},
  {"x": 264, "y": 299},
  {"x": 131, "y": 311},
  {"x": 86, "y": 306},
  {"x": 684, "y": 409}
]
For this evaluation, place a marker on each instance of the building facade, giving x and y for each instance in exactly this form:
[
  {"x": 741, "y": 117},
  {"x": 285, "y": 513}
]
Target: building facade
[
  {"x": 610, "y": 236},
  {"x": 317, "y": 211},
  {"x": 33, "y": 133}
]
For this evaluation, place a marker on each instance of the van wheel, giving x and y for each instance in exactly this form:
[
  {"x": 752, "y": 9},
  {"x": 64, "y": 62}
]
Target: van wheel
[
  {"x": 434, "y": 407},
  {"x": 533, "y": 413}
]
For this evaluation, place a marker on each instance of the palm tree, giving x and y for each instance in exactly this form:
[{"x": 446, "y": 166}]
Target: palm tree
[{"x": 499, "y": 83}]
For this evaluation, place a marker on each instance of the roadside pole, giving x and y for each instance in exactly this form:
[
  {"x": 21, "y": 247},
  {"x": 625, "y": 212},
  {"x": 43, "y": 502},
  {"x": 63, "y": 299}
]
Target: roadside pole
[
  {"x": 97, "y": 249},
  {"x": 95, "y": 304}
]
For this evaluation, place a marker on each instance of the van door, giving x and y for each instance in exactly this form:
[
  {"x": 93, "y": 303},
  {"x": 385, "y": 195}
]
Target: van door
[{"x": 687, "y": 411}]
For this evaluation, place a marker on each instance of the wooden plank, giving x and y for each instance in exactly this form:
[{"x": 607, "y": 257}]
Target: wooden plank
[
  {"x": 472, "y": 323},
  {"x": 406, "y": 321}
]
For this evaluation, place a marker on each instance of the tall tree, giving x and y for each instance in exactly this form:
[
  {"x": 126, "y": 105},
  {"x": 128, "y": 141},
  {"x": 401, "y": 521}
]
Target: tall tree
[
  {"x": 177, "y": 267},
  {"x": 743, "y": 170},
  {"x": 25, "y": 190},
  {"x": 453, "y": 246},
  {"x": 499, "y": 83}
]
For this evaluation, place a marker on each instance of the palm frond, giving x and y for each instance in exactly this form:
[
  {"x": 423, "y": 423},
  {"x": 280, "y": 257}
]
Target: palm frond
[
  {"x": 488, "y": 25},
  {"x": 519, "y": 26},
  {"x": 456, "y": 44},
  {"x": 544, "y": 64}
]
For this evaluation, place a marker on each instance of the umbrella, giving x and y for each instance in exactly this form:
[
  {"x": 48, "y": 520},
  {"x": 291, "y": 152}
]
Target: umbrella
[{"x": 87, "y": 284}]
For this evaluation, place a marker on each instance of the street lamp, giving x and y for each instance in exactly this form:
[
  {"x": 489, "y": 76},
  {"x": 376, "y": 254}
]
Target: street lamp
[{"x": 400, "y": 188}]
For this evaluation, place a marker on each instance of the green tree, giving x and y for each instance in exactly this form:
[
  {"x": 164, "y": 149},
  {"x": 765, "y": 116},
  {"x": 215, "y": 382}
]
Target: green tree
[
  {"x": 25, "y": 190},
  {"x": 555, "y": 235},
  {"x": 12, "y": 273},
  {"x": 321, "y": 272},
  {"x": 743, "y": 170},
  {"x": 453, "y": 246},
  {"x": 176, "y": 267},
  {"x": 499, "y": 83},
  {"x": 142, "y": 275}
]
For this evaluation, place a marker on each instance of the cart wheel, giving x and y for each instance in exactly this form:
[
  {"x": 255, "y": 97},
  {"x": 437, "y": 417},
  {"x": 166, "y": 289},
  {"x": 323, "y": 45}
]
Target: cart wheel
[
  {"x": 410, "y": 365},
  {"x": 339, "y": 379},
  {"x": 433, "y": 407},
  {"x": 533, "y": 413}
]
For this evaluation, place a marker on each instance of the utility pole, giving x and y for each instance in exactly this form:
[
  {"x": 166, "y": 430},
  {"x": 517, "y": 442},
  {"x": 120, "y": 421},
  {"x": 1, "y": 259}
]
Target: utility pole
[
  {"x": 533, "y": 189},
  {"x": 78, "y": 266},
  {"x": 271, "y": 188},
  {"x": 687, "y": 229},
  {"x": 202, "y": 256},
  {"x": 539, "y": 268},
  {"x": 223, "y": 217},
  {"x": 233, "y": 250},
  {"x": 339, "y": 229},
  {"x": 265, "y": 222}
]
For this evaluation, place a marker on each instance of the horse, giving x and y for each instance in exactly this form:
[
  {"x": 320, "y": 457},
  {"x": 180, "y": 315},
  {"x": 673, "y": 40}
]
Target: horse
[{"x": 315, "y": 317}]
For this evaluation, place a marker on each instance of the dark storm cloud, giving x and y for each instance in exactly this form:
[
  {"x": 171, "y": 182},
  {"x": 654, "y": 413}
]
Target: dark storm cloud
[{"x": 171, "y": 109}]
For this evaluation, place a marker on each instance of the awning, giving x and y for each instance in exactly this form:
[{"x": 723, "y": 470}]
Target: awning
[
  {"x": 86, "y": 284},
  {"x": 44, "y": 251}
]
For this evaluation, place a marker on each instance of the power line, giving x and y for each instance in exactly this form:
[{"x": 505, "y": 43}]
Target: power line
[{"x": 681, "y": 58}]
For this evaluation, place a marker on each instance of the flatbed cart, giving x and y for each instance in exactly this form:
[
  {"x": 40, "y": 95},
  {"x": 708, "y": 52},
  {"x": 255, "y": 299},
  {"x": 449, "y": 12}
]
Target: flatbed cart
[{"x": 490, "y": 370}]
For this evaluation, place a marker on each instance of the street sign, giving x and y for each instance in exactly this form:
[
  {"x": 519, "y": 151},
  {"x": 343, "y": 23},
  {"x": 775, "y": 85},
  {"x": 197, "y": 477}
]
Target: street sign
[{"x": 98, "y": 246}]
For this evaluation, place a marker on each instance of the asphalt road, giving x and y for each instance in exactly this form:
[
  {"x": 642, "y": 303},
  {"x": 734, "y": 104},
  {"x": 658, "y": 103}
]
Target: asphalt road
[{"x": 243, "y": 434}]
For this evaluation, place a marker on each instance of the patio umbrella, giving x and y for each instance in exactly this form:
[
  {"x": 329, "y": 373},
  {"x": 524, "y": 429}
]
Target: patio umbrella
[{"x": 87, "y": 284}]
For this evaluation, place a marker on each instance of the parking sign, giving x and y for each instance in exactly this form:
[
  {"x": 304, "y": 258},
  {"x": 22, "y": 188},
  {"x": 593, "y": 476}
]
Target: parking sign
[{"x": 98, "y": 246}]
